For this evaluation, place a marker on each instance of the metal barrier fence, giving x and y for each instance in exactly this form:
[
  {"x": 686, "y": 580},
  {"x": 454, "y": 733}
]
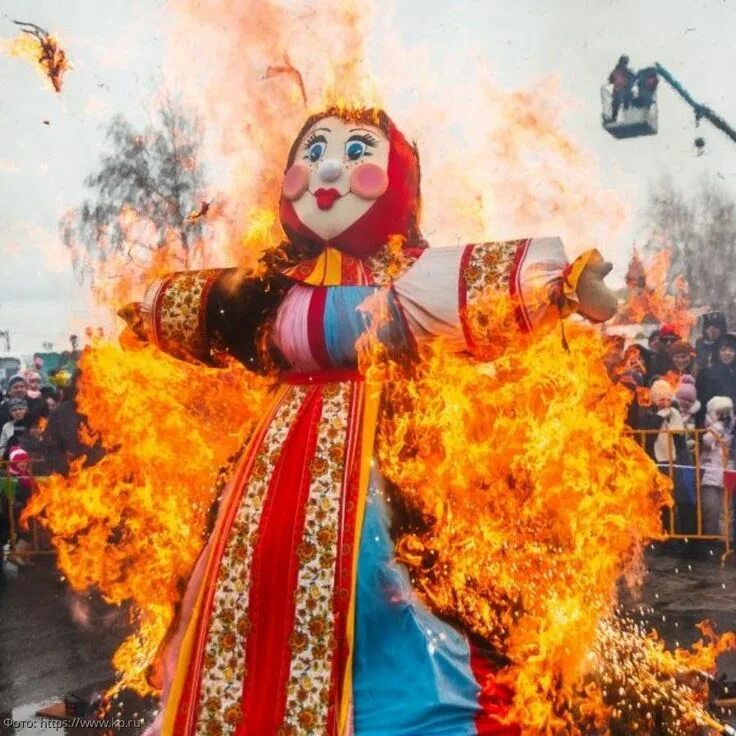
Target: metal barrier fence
[{"x": 692, "y": 516}]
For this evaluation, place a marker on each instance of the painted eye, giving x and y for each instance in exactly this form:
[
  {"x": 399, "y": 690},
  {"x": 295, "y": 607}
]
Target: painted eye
[
  {"x": 355, "y": 149},
  {"x": 315, "y": 151}
]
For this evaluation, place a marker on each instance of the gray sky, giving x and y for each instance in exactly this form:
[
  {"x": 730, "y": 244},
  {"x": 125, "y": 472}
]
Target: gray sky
[{"x": 117, "y": 53}]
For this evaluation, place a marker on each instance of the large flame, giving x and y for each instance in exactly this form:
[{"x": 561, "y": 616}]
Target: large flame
[
  {"x": 133, "y": 524},
  {"x": 527, "y": 502},
  {"x": 650, "y": 298}
]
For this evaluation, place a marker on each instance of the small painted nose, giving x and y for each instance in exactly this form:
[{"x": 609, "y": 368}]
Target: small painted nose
[{"x": 330, "y": 170}]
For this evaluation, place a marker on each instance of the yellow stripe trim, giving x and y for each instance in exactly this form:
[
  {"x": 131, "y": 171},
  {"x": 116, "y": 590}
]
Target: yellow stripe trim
[
  {"x": 372, "y": 398},
  {"x": 180, "y": 676},
  {"x": 333, "y": 267}
]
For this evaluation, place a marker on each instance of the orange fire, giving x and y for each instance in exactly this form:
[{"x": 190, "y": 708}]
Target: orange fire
[
  {"x": 526, "y": 504},
  {"x": 650, "y": 298},
  {"x": 133, "y": 524}
]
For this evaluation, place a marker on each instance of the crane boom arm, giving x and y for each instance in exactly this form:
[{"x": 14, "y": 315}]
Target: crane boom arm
[{"x": 701, "y": 111}]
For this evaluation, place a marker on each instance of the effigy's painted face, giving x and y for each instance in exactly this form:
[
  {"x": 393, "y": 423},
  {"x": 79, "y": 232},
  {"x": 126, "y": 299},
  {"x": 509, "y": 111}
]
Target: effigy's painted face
[{"x": 340, "y": 170}]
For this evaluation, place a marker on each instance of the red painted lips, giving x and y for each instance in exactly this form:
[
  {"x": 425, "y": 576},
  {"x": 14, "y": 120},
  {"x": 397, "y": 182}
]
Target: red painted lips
[{"x": 326, "y": 198}]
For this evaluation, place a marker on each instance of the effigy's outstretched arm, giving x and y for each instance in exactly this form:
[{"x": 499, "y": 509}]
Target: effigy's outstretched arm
[
  {"x": 207, "y": 316},
  {"x": 451, "y": 292}
]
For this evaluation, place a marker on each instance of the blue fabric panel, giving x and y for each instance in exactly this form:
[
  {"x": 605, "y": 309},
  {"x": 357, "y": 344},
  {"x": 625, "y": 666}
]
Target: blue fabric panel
[
  {"x": 411, "y": 671},
  {"x": 344, "y": 323}
]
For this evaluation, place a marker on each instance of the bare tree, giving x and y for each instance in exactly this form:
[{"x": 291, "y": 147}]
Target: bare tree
[
  {"x": 145, "y": 195},
  {"x": 700, "y": 228}
]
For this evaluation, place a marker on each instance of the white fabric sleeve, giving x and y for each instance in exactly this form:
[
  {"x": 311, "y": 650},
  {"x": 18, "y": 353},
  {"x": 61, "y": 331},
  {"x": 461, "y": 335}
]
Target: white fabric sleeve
[{"x": 436, "y": 292}]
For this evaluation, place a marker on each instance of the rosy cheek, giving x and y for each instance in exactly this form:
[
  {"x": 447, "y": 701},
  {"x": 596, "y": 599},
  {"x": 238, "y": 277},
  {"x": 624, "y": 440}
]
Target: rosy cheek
[
  {"x": 368, "y": 181},
  {"x": 296, "y": 181}
]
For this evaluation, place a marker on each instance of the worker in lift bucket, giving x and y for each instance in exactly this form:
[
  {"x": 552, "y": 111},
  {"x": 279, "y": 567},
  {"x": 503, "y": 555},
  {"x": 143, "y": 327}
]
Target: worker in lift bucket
[
  {"x": 646, "y": 85},
  {"x": 622, "y": 79}
]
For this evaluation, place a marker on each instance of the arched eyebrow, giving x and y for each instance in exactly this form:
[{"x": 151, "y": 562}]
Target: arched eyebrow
[
  {"x": 353, "y": 130},
  {"x": 327, "y": 129}
]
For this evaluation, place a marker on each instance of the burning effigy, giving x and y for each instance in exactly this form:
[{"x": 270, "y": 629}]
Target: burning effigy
[
  {"x": 426, "y": 495},
  {"x": 291, "y": 566}
]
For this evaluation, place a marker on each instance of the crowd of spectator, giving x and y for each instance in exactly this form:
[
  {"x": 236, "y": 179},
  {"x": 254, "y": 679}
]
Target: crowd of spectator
[
  {"x": 679, "y": 388},
  {"x": 39, "y": 434}
]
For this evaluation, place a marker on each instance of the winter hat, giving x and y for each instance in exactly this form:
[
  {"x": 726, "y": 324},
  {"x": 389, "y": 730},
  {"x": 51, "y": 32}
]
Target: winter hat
[
  {"x": 717, "y": 405},
  {"x": 17, "y": 403},
  {"x": 715, "y": 319},
  {"x": 16, "y": 457},
  {"x": 687, "y": 392},
  {"x": 687, "y": 378},
  {"x": 15, "y": 379},
  {"x": 661, "y": 389},
  {"x": 728, "y": 339},
  {"x": 668, "y": 332},
  {"x": 680, "y": 347}
]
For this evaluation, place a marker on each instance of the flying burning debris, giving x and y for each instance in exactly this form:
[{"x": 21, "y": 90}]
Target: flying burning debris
[
  {"x": 200, "y": 213},
  {"x": 38, "y": 45}
]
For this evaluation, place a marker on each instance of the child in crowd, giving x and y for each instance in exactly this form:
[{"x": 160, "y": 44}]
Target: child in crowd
[
  {"x": 715, "y": 458},
  {"x": 12, "y": 431},
  {"x": 668, "y": 448},
  {"x": 689, "y": 406},
  {"x": 18, "y": 488}
]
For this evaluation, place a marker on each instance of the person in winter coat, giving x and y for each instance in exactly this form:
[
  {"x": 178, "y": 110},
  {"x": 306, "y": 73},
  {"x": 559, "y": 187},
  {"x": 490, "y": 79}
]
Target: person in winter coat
[
  {"x": 17, "y": 389},
  {"x": 638, "y": 359},
  {"x": 720, "y": 378},
  {"x": 663, "y": 448},
  {"x": 715, "y": 459},
  {"x": 661, "y": 363},
  {"x": 12, "y": 432},
  {"x": 714, "y": 328},
  {"x": 37, "y": 406},
  {"x": 668, "y": 448},
  {"x": 19, "y": 486},
  {"x": 622, "y": 78},
  {"x": 682, "y": 357},
  {"x": 687, "y": 400}
]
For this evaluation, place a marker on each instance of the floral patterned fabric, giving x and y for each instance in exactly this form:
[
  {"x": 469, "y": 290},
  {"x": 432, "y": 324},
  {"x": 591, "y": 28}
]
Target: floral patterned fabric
[
  {"x": 179, "y": 309},
  {"x": 224, "y": 659},
  {"x": 313, "y": 639}
]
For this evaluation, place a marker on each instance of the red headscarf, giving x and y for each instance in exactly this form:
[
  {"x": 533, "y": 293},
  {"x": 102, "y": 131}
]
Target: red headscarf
[{"x": 395, "y": 212}]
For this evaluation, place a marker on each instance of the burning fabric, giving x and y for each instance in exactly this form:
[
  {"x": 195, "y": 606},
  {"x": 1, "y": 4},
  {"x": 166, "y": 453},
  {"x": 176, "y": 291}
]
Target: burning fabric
[
  {"x": 41, "y": 47},
  {"x": 428, "y": 545}
]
